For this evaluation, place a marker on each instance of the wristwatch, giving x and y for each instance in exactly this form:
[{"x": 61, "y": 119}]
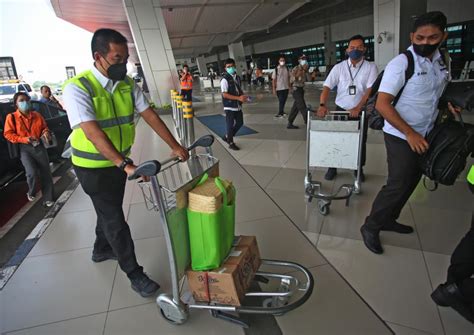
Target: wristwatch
[
  {"x": 322, "y": 105},
  {"x": 126, "y": 161}
]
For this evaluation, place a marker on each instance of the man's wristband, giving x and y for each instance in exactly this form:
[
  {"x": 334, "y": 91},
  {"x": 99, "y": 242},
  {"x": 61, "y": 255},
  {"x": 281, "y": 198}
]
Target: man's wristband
[
  {"x": 126, "y": 161},
  {"x": 322, "y": 105}
]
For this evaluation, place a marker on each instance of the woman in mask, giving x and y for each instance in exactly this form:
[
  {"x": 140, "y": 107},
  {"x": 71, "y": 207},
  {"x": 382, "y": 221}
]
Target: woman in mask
[{"x": 28, "y": 128}]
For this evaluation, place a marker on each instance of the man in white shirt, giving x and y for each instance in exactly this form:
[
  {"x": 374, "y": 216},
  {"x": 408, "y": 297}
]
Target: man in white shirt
[
  {"x": 281, "y": 84},
  {"x": 354, "y": 78},
  {"x": 407, "y": 125}
]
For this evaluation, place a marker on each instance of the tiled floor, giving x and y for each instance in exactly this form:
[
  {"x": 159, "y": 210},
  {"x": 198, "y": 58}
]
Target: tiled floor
[{"x": 58, "y": 290}]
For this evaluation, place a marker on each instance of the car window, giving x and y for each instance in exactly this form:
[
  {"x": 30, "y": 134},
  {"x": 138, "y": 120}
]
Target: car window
[
  {"x": 21, "y": 88},
  {"x": 28, "y": 88},
  {"x": 42, "y": 109},
  {"x": 7, "y": 89},
  {"x": 54, "y": 111}
]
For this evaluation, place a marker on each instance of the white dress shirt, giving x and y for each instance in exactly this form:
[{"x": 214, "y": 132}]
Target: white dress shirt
[
  {"x": 418, "y": 104},
  {"x": 79, "y": 106},
  {"x": 363, "y": 74}
]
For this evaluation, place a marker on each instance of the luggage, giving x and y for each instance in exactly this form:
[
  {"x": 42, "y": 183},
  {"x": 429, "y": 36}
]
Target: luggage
[
  {"x": 458, "y": 93},
  {"x": 451, "y": 142},
  {"x": 211, "y": 221},
  {"x": 13, "y": 148}
]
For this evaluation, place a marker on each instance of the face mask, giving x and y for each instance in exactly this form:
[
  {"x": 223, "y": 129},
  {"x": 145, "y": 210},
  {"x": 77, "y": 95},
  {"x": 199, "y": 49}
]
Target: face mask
[
  {"x": 230, "y": 70},
  {"x": 24, "y": 106},
  {"x": 425, "y": 50},
  {"x": 282, "y": 63},
  {"x": 355, "y": 54},
  {"x": 303, "y": 62},
  {"x": 116, "y": 72}
]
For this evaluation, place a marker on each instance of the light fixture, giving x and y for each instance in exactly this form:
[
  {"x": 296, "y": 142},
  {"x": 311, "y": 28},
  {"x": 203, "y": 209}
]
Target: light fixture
[{"x": 381, "y": 36}]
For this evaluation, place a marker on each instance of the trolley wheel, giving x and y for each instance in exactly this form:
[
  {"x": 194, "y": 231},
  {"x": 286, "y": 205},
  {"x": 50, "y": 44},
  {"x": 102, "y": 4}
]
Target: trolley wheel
[
  {"x": 323, "y": 208},
  {"x": 169, "y": 320}
]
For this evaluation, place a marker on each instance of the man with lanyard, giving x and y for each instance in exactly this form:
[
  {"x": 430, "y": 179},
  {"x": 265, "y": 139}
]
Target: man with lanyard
[
  {"x": 299, "y": 75},
  {"x": 353, "y": 78},
  {"x": 407, "y": 125},
  {"x": 101, "y": 104},
  {"x": 458, "y": 291},
  {"x": 232, "y": 98},
  {"x": 281, "y": 84},
  {"x": 186, "y": 81}
]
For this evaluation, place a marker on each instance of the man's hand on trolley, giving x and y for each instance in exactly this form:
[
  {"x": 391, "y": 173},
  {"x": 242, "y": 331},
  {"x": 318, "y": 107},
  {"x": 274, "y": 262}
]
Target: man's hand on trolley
[
  {"x": 322, "y": 111},
  {"x": 180, "y": 152}
]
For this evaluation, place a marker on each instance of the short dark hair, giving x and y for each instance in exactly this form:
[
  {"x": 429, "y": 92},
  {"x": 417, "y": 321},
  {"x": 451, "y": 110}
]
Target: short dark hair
[
  {"x": 185, "y": 66},
  {"x": 282, "y": 56},
  {"x": 19, "y": 94},
  {"x": 356, "y": 38},
  {"x": 103, "y": 37},
  {"x": 437, "y": 19},
  {"x": 229, "y": 61},
  {"x": 44, "y": 86}
]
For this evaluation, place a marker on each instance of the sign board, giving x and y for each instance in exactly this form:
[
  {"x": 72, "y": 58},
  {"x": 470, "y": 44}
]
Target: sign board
[{"x": 70, "y": 72}]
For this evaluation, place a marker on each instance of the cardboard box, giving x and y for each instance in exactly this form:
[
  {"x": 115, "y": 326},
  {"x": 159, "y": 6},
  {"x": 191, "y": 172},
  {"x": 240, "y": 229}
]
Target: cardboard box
[
  {"x": 223, "y": 285},
  {"x": 251, "y": 243}
]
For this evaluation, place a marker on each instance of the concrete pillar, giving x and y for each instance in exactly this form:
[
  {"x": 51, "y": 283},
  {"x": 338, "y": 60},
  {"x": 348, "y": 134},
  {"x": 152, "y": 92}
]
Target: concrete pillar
[
  {"x": 153, "y": 45},
  {"x": 393, "y": 20},
  {"x": 201, "y": 64},
  {"x": 329, "y": 47},
  {"x": 237, "y": 52}
]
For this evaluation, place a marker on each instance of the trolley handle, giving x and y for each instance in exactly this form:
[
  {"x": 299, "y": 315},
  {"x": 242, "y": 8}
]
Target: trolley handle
[{"x": 153, "y": 167}]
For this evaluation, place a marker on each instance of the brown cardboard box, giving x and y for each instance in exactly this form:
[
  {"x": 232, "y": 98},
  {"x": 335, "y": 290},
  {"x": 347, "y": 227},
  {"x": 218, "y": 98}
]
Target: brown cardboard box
[
  {"x": 224, "y": 286},
  {"x": 251, "y": 243}
]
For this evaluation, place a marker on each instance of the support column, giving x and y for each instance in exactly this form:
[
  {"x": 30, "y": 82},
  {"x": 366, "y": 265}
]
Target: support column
[
  {"x": 329, "y": 47},
  {"x": 153, "y": 45},
  {"x": 201, "y": 64},
  {"x": 237, "y": 52},
  {"x": 393, "y": 20}
]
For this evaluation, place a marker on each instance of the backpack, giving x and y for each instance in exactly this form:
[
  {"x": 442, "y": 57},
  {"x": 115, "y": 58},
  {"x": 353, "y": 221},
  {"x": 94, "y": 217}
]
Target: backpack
[
  {"x": 374, "y": 118},
  {"x": 450, "y": 143}
]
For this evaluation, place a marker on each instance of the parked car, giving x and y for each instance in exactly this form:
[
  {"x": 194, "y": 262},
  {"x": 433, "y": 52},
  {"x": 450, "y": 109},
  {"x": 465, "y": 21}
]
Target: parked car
[
  {"x": 8, "y": 88},
  {"x": 57, "y": 122}
]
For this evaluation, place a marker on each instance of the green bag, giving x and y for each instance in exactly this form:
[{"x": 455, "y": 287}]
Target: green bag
[{"x": 211, "y": 234}]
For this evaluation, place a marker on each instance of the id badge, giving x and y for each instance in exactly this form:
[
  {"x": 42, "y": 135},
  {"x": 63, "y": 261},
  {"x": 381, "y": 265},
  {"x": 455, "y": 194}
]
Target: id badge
[{"x": 352, "y": 90}]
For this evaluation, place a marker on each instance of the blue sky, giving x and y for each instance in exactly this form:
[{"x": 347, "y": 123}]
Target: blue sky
[{"x": 42, "y": 44}]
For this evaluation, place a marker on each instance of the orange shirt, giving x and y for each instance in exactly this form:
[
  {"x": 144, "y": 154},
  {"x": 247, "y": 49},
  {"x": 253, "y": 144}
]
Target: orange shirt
[
  {"x": 32, "y": 126},
  {"x": 187, "y": 82}
]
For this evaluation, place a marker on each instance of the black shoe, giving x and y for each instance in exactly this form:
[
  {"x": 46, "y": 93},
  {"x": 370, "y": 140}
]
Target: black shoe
[
  {"x": 371, "y": 239},
  {"x": 330, "y": 174},
  {"x": 448, "y": 295},
  {"x": 362, "y": 175},
  {"x": 398, "y": 228},
  {"x": 144, "y": 285},
  {"x": 103, "y": 256},
  {"x": 292, "y": 126},
  {"x": 278, "y": 115},
  {"x": 233, "y": 146}
]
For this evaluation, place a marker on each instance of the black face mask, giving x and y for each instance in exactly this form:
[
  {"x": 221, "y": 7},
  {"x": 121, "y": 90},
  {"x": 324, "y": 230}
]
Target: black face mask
[
  {"x": 425, "y": 50},
  {"x": 116, "y": 72}
]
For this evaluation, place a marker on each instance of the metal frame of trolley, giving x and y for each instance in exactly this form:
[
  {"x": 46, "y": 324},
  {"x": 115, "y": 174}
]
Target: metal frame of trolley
[
  {"x": 333, "y": 141},
  {"x": 171, "y": 176}
]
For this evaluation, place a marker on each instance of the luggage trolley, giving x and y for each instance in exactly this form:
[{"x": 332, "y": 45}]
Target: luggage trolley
[
  {"x": 164, "y": 194},
  {"x": 334, "y": 141}
]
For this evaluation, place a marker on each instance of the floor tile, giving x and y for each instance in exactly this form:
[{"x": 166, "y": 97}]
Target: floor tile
[
  {"x": 271, "y": 153},
  {"x": 253, "y": 204},
  {"x": 262, "y": 174},
  {"x": 89, "y": 325},
  {"x": 144, "y": 223},
  {"x": 288, "y": 180},
  {"x": 454, "y": 324},
  {"x": 279, "y": 239},
  {"x": 57, "y": 287},
  {"x": 376, "y": 160},
  {"x": 334, "y": 308},
  {"x": 147, "y": 320},
  {"x": 402, "y": 330},
  {"x": 440, "y": 229},
  {"x": 395, "y": 284},
  {"x": 79, "y": 201}
]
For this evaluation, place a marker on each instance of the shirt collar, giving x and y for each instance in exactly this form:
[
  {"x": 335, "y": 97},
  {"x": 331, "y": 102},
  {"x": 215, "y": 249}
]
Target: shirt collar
[
  {"x": 436, "y": 56},
  {"x": 358, "y": 64},
  {"x": 103, "y": 80}
]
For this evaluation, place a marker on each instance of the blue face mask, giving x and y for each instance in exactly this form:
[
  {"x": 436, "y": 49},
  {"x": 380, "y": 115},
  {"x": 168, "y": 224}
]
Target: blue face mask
[
  {"x": 24, "y": 106},
  {"x": 355, "y": 54},
  {"x": 230, "y": 70}
]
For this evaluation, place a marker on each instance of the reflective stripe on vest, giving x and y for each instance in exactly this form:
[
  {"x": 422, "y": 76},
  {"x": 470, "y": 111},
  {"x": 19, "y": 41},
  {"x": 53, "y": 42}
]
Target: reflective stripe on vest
[
  {"x": 114, "y": 114},
  {"x": 187, "y": 83},
  {"x": 470, "y": 175}
]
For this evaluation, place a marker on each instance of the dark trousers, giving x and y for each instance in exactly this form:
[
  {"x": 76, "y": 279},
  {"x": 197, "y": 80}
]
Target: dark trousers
[
  {"x": 298, "y": 106},
  {"x": 234, "y": 121},
  {"x": 35, "y": 159},
  {"x": 282, "y": 96},
  {"x": 363, "y": 154},
  {"x": 106, "y": 188},
  {"x": 187, "y": 95},
  {"x": 462, "y": 264},
  {"x": 403, "y": 177}
]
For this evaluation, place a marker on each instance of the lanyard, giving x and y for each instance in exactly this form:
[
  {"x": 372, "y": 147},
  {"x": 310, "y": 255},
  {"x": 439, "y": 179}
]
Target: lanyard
[
  {"x": 350, "y": 72},
  {"x": 24, "y": 125}
]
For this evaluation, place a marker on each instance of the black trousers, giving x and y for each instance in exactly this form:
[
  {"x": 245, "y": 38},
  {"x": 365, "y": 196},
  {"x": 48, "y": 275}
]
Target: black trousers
[
  {"x": 187, "y": 95},
  {"x": 462, "y": 264},
  {"x": 298, "y": 106},
  {"x": 35, "y": 159},
  {"x": 363, "y": 154},
  {"x": 106, "y": 188},
  {"x": 282, "y": 97},
  {"x": 234, "y": 121},
  {"x": 403, "y": 177}
]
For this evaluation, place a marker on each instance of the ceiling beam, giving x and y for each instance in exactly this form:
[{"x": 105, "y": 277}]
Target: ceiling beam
[
  {"x": 251, "y": 11},
  {"x": 226, "y": 4},
  {"x": 198, "y": 15}
]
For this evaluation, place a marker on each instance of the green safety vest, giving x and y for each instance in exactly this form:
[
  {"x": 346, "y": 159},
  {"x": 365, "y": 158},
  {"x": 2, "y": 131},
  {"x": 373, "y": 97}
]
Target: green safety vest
[
  {"x": 470, "y": 175},
  {"x": 115, "y": 115}
]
